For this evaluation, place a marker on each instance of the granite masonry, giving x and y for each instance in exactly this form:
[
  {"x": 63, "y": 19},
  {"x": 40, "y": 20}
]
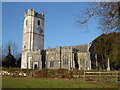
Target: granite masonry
[{"x": 34, "y": 56}]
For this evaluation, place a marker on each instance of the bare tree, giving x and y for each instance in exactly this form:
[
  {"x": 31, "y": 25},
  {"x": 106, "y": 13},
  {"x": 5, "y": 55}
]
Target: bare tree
[
  {"x": 108, "y": 14},
  {"x": 12, "y": 46}
]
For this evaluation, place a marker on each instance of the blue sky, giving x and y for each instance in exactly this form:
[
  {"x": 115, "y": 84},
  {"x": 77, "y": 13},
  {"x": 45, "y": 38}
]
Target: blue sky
[{"x": 60, "y": 25}]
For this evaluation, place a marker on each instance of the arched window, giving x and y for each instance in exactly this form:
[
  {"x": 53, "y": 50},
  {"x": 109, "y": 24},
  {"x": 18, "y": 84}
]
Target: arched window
[
  {"x": 52, "y": 63},
  {"x": 65, "y": 62},
  {"x": 38, "y": 22}
]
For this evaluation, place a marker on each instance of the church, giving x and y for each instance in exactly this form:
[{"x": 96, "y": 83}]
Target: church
[{"x": 34, "y": 56}]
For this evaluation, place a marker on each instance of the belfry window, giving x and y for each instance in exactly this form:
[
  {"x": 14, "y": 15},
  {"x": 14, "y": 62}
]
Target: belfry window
[
  {"x": 24, "y": 46},
  {"x": 38, "y": 22},
  {"x": 26, "y": 22}
]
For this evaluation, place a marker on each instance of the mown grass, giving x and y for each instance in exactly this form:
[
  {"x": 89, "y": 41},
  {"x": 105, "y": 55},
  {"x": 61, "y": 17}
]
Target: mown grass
[{"x": 10, "y": 82}]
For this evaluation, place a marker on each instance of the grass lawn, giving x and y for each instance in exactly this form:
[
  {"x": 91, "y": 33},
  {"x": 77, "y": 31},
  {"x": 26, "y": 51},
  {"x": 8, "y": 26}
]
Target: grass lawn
[{"x": 9, "y": 82}]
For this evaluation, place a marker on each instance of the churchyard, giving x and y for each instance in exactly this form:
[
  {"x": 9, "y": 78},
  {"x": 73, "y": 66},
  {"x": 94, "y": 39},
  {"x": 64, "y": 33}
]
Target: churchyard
[{"x": 61, "y": 78}]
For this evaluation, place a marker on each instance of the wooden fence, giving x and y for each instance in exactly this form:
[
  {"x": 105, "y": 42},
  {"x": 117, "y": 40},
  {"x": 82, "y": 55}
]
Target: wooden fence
[{"x": 102, "y": 76}]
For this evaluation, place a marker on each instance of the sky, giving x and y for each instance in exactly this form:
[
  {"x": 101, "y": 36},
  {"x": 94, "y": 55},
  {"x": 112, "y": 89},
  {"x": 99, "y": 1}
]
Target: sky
[{"x": 60, "y": 23}]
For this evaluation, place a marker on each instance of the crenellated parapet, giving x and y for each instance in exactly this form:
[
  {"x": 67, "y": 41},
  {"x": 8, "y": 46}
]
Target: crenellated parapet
[{"x": 31, "y": 12}]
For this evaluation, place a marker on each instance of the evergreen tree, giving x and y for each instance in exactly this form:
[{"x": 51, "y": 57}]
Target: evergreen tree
[
  {"x": 9, "y": 60},
  {"x": 19, "y": 63}
]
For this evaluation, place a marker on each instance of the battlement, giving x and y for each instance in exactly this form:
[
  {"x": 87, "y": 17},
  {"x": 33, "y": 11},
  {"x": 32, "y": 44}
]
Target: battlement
[{"x": 31, "y": 12}]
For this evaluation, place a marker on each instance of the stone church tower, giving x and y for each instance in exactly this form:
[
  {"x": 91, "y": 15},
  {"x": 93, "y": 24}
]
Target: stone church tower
[{"x": 33, "y": 35}]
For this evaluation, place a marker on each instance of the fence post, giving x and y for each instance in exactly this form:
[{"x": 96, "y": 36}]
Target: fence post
[
  {"x": 84, "y": 75},
  {"x": 118, "y": 76}
]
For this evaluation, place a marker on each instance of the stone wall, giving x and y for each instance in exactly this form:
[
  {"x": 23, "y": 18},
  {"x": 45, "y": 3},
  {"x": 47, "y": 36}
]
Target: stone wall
[
  {"x": 59, "y": 57},
  {"x": 53, "y": 58},
  {"x": 35, "y": 60},
  {"x": 67, "y": 58},
  {"x": 82, "y": 61}
]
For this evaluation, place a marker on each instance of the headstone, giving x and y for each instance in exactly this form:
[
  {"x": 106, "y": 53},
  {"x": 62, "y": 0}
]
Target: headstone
[{"x": 108, "y": 66}]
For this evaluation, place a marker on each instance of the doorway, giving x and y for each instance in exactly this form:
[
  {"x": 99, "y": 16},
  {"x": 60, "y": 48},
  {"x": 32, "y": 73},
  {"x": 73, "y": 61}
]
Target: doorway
[{"x": 35, "y": 66}]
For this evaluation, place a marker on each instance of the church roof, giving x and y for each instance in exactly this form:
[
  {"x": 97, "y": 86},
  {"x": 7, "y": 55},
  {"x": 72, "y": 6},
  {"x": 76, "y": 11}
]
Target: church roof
[{"x": 81, "y": 48}]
